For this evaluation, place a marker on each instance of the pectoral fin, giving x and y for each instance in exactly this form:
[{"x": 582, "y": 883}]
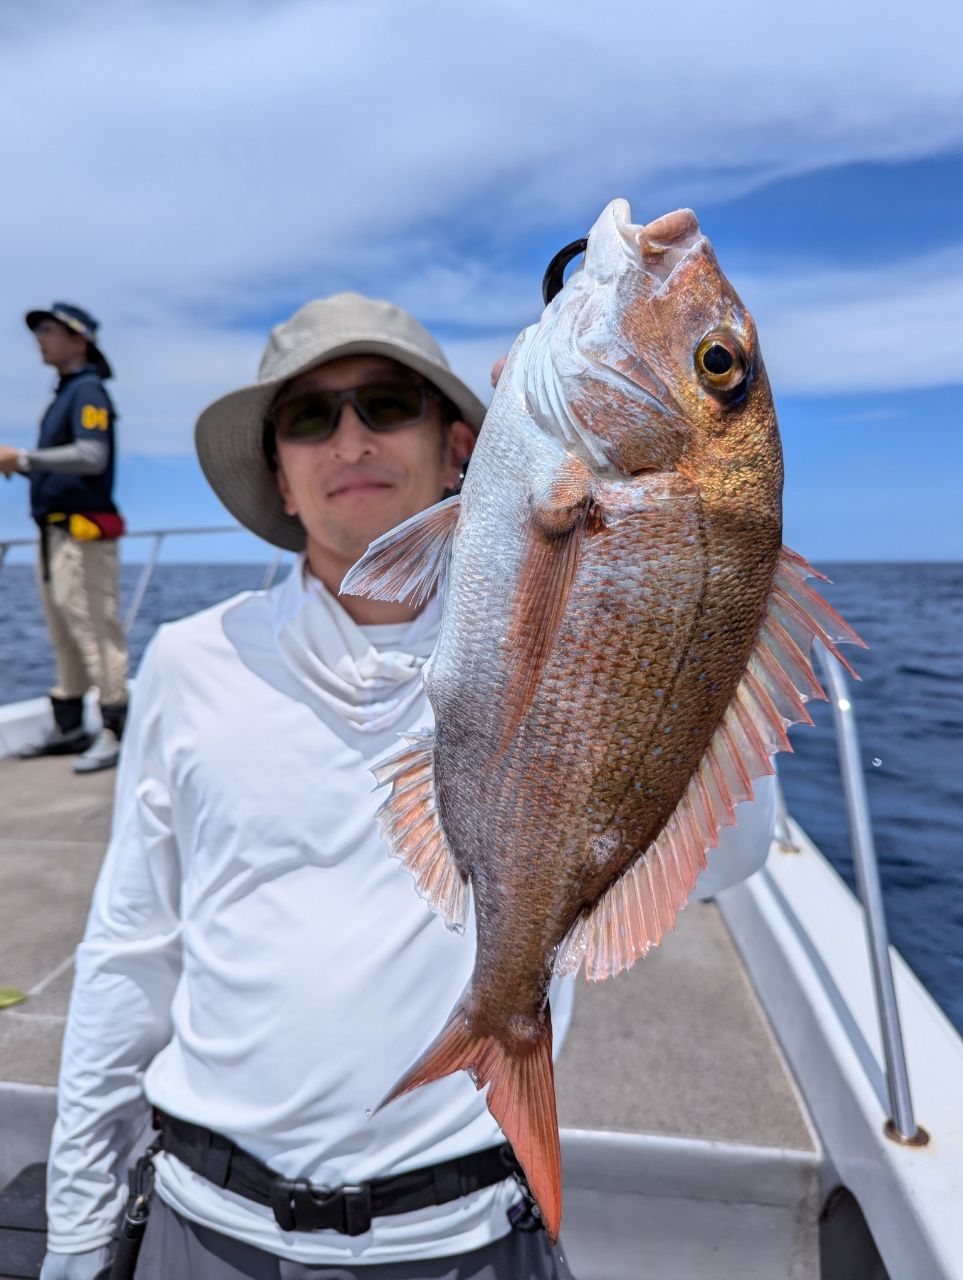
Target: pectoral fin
[
  {"x": 553, "y": 541},
  {"x": 407, "y": 563}
]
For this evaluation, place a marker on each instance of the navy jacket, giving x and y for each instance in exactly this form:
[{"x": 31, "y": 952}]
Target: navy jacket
[{"x": 80, "y": 409}]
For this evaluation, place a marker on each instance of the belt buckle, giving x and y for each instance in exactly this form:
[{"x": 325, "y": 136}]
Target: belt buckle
[
  {"x": 298, "y": 1206},
  {"x": 292, "y": 1200}
]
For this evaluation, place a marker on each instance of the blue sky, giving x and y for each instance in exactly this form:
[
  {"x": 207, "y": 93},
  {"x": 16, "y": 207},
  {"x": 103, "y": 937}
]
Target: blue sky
[{"x": 194, "y": 173}]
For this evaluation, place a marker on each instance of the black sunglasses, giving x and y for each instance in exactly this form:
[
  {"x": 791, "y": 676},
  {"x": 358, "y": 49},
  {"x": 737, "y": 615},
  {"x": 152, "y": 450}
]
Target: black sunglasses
[{"x": 382, "y": 406}]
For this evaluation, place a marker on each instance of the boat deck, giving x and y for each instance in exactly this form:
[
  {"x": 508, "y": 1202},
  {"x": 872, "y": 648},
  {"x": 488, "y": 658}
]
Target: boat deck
[{"x": 679, "y": 1048}]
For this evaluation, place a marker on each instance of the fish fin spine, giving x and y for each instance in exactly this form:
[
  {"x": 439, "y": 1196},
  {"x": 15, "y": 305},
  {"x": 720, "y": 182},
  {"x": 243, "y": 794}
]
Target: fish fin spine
[
  {"x": 521, "y": 1097},
  {"x": 411, "y": 825},
  {"x": 641, "y": 906},
  {"x": 810, "y": 617},
  {"x": 407, "y": 563}
]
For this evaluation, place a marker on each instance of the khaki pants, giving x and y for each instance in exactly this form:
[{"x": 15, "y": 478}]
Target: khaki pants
[{"x": 80, "y": 601}]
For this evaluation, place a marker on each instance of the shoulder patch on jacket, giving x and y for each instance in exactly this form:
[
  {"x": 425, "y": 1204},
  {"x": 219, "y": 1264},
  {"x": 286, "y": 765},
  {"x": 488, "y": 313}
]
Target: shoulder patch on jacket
[{"x": 94, "y": 417}]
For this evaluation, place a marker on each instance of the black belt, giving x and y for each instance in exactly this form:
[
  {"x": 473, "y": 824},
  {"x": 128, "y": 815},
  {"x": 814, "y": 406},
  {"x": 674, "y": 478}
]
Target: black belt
[{"x": 299, "y": 1206}]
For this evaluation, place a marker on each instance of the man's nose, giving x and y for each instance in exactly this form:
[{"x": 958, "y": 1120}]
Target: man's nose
[{"x": 352, "y": 440}]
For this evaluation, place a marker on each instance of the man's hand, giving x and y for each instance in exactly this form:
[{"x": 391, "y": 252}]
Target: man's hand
[
  {"x": 8, "y": 460},
  {"x": 93, "y": 1265}
]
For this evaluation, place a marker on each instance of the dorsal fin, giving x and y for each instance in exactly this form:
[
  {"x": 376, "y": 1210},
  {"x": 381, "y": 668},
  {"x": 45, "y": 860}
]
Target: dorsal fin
[{"x": 640, "y": 907}]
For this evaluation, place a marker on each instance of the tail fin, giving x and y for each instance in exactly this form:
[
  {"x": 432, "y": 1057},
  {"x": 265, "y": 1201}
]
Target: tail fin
[{"x": 521, "y": 1097}]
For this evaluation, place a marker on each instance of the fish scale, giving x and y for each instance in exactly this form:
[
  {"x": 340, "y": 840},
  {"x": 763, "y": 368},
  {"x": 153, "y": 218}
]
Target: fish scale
[{"x": 623, "y": 643}]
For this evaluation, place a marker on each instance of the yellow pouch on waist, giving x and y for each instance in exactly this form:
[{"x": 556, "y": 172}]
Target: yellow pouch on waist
[{"x": 82, "y": 529}]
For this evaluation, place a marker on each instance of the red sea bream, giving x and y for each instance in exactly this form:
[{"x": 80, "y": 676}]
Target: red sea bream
[{"x": 624, "y": 641}]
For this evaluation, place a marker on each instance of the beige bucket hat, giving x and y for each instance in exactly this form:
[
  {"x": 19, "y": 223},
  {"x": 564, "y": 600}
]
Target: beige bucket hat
[{"x": 229, "y": 433}]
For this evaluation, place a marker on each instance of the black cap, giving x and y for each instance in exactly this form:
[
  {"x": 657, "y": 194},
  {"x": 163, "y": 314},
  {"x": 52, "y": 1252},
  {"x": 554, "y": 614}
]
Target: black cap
[{"x": 78, "y": 321}]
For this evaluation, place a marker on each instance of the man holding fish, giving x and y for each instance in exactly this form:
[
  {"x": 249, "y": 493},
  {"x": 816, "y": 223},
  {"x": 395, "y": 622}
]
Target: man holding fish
[{"x": 256, "y": 969}]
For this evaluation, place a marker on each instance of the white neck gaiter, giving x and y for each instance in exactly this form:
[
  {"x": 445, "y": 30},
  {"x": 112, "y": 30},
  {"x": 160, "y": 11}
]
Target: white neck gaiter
[{"x": 369, "y": 675}]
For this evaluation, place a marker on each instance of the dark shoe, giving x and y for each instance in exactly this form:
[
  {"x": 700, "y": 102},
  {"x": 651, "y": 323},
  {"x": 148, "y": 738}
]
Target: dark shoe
[
  {"x": 68, "y": 737},
  {"x": 57, "y": 743},
  {"x": 68, "y": 713},
  {"x": 114, "y": 717},
  {"x": 103, "y": 753}
]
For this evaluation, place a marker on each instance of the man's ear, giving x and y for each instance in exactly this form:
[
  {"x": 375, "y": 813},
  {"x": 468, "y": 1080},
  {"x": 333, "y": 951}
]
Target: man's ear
[
  {"x": 459, "y": 443},
  {"x": 285, "y": 490}
]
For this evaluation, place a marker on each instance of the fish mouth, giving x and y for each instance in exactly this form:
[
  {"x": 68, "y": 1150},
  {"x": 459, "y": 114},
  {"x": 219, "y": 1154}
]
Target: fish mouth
[
  {"x": 578, "y": 353},
  {"x": 656, "y": 247}
]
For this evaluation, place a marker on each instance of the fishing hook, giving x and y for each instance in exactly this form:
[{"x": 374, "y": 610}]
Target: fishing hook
[{"x": 553, "y": 280}]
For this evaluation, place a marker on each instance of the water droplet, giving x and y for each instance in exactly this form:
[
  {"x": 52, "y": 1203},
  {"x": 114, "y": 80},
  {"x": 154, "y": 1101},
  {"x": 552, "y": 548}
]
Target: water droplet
[
  {"x": 367, "y": 1113},
  {"x": 876, "y": 762},
  {"x": 458, "y": 927}
]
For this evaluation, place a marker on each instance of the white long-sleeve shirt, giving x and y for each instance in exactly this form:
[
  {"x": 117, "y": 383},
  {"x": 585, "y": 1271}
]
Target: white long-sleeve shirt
[{"x": 254, "y": 961}]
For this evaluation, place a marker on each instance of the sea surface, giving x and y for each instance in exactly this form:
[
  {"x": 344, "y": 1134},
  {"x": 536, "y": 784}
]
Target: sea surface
[{"x": 909, "y": 709}]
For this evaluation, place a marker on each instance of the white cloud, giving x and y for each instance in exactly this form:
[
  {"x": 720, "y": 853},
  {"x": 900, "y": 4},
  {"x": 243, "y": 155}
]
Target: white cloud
[
  {"x": 180, "y": 168},
  {"x": 871, "y": 329}
]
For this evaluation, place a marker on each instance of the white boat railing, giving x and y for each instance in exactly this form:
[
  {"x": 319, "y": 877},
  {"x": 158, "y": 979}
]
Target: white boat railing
[
  {"x": 158, "y": 537},
  {"x": 902, "y": 1126}
]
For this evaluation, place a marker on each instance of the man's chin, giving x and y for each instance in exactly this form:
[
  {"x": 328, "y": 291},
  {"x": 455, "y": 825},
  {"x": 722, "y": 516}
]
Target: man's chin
[
  {"x": 379, "y": 517},
  {"x": 351, "y": 527},
  {"x": 354, "y": 542}
]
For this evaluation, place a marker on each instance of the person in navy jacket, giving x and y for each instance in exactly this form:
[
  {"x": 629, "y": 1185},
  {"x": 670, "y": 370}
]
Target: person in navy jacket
[{"x": 71, "y": 477}]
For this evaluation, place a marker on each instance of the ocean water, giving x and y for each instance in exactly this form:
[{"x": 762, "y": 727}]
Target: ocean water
[{"x": 909, "y": 709}]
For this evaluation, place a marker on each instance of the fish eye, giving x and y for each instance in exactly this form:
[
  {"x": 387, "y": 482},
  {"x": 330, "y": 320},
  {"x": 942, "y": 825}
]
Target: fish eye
[{"x": 721, "y": 362}]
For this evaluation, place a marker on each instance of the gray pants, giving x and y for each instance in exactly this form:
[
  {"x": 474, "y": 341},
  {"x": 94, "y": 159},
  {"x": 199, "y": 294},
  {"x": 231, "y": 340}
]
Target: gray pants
[{"x": 173, "y": 1246}]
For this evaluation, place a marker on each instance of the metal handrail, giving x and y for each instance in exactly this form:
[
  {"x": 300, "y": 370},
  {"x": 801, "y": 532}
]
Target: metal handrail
[
  {"x": 150, "y": 564},
  {"x": 7, "y": 543},
  {"x": 902, "y": 1125}
]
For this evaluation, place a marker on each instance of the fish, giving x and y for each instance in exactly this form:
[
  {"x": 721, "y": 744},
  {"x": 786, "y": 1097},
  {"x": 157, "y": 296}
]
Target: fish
[{"x": 624, "y": 642}]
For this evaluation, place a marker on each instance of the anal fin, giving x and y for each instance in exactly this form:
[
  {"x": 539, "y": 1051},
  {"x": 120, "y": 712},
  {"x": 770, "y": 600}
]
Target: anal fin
[
  {"x": 408, "y": 562},
  {"x": 411, "y": 824}
]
